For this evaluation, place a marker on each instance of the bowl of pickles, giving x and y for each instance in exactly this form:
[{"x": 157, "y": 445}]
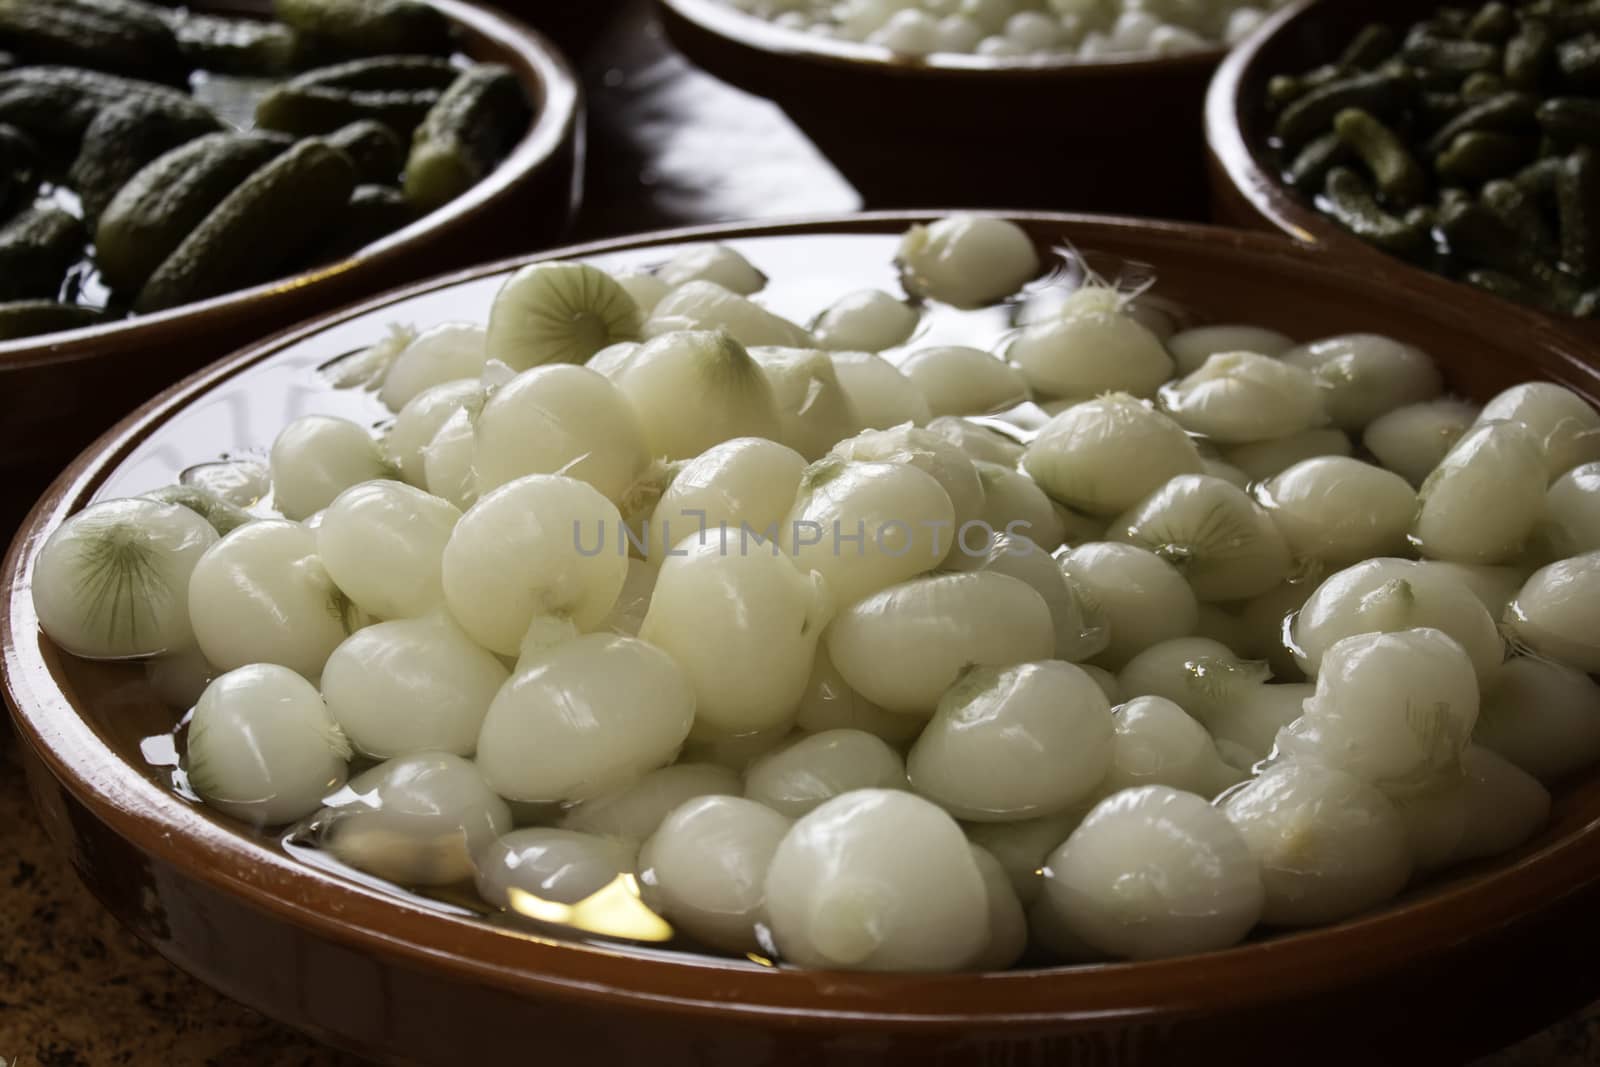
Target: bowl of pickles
[
  {"x": 174, "y": 180},
  {"x": 1461, "y": 140}
]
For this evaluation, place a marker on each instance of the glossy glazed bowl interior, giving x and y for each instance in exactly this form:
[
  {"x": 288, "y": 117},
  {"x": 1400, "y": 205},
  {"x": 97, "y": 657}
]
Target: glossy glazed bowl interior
[
  {"x": 1243, "y": 172},
  {"x": 1109, "y": 134},
  {"x": 59, "y": 390},
  {"x": 391, "y": 976}
]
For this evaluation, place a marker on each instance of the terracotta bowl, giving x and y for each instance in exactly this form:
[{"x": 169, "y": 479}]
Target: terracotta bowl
[
  {"x": 1119, "y": 135},
  {"x": 58, "y": 391},
  {"x": 1454, "y": 968},
  {"x": 1245, "y": 187}
]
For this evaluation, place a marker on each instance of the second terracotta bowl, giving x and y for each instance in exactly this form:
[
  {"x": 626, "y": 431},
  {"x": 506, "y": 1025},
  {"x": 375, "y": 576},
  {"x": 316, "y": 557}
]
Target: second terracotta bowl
[
  {"x": 1114, "y": 134},
  {"x": 1246, "y": 189},
  {"x": 1454, "y": 968},
  {"x": 58, "y": 391}
]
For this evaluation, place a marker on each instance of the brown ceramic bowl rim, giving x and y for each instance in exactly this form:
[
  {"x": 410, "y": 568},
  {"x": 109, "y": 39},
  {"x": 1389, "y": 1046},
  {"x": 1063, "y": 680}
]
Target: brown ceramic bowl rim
[
  {"x": 779, "y": 43},
  {"x": 557, "y": 118},
  {"x": 1248, "y": 170},
  {"x": 368, "y": 921}
]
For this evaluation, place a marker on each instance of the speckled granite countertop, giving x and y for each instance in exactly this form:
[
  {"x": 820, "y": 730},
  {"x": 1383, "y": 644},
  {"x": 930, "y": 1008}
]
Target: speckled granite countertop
[{"x": 76, "y": 990}]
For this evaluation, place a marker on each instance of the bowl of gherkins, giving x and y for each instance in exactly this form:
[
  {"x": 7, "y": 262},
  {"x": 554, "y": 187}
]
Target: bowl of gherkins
[
  {"x": 1462, "y": 140},
  {"x": 175, "y": 180}
]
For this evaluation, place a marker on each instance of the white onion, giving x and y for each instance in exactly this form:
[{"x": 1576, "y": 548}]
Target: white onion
[
  {"x": 815, "y": 768},
  {"x": 262, "y": 748},
  {"x": 1192, "y": 347},
  {"x": 1572, "y": 512},
  {"x": 813, "y": 408},
  {"x": 830, "y": 704},
  {"x": 735, "y": 752},
  {"x": 560, "y": 866},
  {"x": 878, "y": 393},
  {"x": 240, "y": 482},
  {"x": 743, "y": 622},
  {"x": 382, "y": 543},
  {"x": 1263, "y": 459},
  {"x": 584, "y": 717},
  {"x": 1143, "y": 597},
  {"x": 747, "y": 483},
  {"x": 447, "y": 470},
  {"x": 1014, "y": 503},
  {"x": 966, "y": 260},
  {"x": 1505, "y": 805},
  {"x": 1211, "y": 531},
  {"x": 1105, "y": 455},
  {"x": 643, "y": 287},
  {"x": 1090, "y": 347},
  {"x": 980, "y": 442},
  {"x": 317, "y": 457},
  {"x": 1230, "y": 696},
  {"x": 1021, "y": 846},
  {"x": 695, "y": 389},
  {"x": 1014, "y": 743},
  {"x": 1367, "y": 375},
  {"x": 705, "y": 869},
  {"x": 444, "y": 353},
  {"x": 112, "y": 582},
  {"x": 1152, "y": 872},
  {"x": 262, "y": 595},
  {"x": 612, "y": 358},
  {"x": 1543, "y": 717},
  {"x": 929, "y": 453},
  {"x": 1226, "y": 471},
  {"x": 1566, "y": 427},
  {"x": 1239, "y": 397},
  {"x": 421, "y": 419},
  {"x": 365, "y": 368},
  {"x": 633, "y": 812},
  {"x": 865, "y": 526},
  {"x": 707, "y": 306},
  {"x": 1338, "y": 510},
  {"x": 712, "y": 263},
  {"x": 1495, "y": 587},
  {"x": 1557, "y": 612},
  {"x": 416, "y": 821},
  {"x": 412, "y": 685},
  {"x": 1008, "y": 925},
  {"x": 533, "y": 554},
  {"x": 558, "y": 313},
  {"x": 902, "y": 647},
  {"x": 560, "y": 419},
  {"x": 1394, "y": 709},
  {"x": 1080, "y": 627},
  {"x": 1411, "y": 440},
  {"x": 1156, "y": 742},
  {"x": 964, "y": 381},
  {"x": 1330, "y": 845},
  {"x": 1389, "y": 595},
  {"x": 1480, "y": 505},
  {"x": 877, "y": 880},
  {"x": 867, "y": 320}
]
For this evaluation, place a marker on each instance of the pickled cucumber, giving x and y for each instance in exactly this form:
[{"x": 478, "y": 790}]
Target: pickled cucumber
[
  {"x": 466, "y": 134},
  {"x": 374, "y": 212},
  {"x": 237, "y": 46},
  {"x": 36, "y": 248},
  {"x": 29, "y": 318},
  {"x": 56, "y": 104},
  {"x": 317, "y": 109},
  {"x": 113, "y": 35},
  {"x": 257, "y": 230},
  {"x": 152, "y": 214},
  {"x": 122, "y": 139},
  {"x": 369, "y": 27},
  {"x": 377, "y": 153}
]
